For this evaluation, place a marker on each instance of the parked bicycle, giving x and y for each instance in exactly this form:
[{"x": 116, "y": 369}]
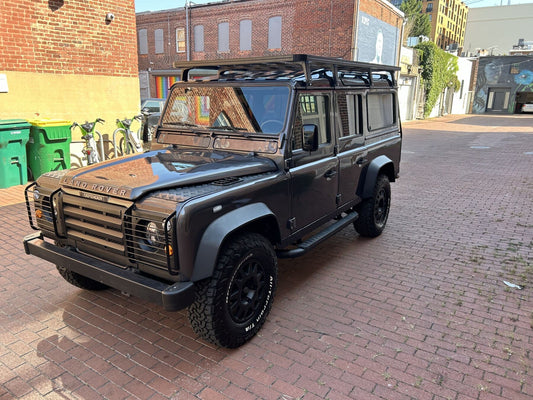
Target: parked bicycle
[
  {"x": 90, "y": 148},
  {"x": 130, "y": 142}
]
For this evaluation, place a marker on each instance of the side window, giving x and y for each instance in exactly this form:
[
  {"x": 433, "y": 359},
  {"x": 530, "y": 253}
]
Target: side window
[
  {"x": 198, "y": 38},
  {"x": 312, "y": 110},
  {"x": 223, "y": 37},
  {"x": 380, "y": 109},
  {"x": 245, "y": 35},
  {"x": 159, "y": 46},
  {"x": 274, "y": 33},
  {"x": 143, "y": 41},
  {"x": 350, "y": 113},
  {"x": 180, "y": 40}
]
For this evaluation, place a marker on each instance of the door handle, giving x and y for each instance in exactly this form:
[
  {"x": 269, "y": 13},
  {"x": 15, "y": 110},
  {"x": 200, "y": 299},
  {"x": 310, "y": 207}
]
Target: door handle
[
  {"x": 360, "y": 161},
  {"x": 330, "y": 174}
]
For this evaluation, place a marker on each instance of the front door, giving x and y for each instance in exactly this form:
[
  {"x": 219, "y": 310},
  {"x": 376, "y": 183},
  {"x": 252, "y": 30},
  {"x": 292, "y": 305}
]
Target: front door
[{"x": 314, "y": 175}]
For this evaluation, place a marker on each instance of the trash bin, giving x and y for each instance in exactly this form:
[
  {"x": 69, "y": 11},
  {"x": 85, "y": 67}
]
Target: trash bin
[
  {"x": 14, "y": 135},
  {"x": 48, "y": 146}
]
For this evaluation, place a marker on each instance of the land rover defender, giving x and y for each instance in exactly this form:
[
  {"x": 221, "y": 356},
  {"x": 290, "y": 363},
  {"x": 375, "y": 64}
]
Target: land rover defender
[{"x": 260, "y": 158}]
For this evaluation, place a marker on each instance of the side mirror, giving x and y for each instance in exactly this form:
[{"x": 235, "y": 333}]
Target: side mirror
[{"x": 310, "y": 137}]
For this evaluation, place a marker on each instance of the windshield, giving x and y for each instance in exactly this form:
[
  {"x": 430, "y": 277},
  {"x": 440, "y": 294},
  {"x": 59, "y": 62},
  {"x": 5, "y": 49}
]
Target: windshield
[{"x": 234, "y": 109}]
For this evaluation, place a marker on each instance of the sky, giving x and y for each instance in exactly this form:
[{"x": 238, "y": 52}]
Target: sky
[{"x": 154, "y": 5}]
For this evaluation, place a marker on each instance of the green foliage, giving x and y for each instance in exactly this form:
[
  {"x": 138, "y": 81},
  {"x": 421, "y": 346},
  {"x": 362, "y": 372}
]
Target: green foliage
[
  {"x": 417, "y": 22},
  {"x": 439, "y": 71}
]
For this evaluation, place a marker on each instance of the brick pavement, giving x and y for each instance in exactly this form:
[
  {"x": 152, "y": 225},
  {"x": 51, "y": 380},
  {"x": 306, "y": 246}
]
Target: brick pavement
[{"x": 419, "y": 313}]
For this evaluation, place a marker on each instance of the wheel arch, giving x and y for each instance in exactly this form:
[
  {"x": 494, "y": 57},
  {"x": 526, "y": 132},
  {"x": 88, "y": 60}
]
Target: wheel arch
[
  {"x": 380, "y": 165},
  {"x": 255, "y": 217}
]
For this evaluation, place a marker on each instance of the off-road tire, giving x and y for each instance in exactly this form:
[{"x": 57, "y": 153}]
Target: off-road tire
[
  {"x": 233, "y": 304},
  {"x": 79, "y": 280},
  {"x": 374, "y": 211}
]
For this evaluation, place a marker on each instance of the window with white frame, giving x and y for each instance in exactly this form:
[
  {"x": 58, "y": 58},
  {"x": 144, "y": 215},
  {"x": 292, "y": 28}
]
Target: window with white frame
[{"x": 180, "y": 40}]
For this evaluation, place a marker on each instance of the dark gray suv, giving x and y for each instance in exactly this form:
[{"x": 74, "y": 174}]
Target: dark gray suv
[{"x": 262, "y": 158}]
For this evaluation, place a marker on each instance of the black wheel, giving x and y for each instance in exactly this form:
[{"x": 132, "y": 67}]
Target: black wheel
[
  {"x": 80, "y": 280},
  {"x": 233, "y": 304},
  {"x": 374, "y": 211}
]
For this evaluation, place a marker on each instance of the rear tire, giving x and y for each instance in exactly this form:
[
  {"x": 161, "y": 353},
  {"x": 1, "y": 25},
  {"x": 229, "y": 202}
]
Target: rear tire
[
  {"x": 234, "y": 303},
  {"x": 374, "y": 211}
]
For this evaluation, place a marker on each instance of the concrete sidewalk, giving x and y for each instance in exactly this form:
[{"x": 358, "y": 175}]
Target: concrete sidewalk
[{"x": 421, "y": 312}]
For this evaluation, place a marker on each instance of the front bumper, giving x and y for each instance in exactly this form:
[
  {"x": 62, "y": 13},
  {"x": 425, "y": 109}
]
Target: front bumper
[{"x": 172, "y": 297}]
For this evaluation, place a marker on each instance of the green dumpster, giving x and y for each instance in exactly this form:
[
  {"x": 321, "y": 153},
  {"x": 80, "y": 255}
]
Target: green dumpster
[
  {"x": 14, "y": 135},
  {"x": 48, "y": 146}
]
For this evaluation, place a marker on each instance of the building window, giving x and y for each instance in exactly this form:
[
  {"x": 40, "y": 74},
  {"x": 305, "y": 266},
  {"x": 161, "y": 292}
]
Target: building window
[
  {"x": 245, "y": 35},
  {"x": 199, "y": 38},
  {"x": 143, "y": 41},
  {"x": 274, "y": 33},
  {"x": 429, "y": 7},
  {"x": 159, "y": 44},
  {"x": 180, "y": 40},
  {"x": 223, "y": 37}
]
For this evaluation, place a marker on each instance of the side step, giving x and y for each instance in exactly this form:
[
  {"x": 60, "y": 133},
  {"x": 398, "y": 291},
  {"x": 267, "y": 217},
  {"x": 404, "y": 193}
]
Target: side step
[{"x": 315, "y": 240}]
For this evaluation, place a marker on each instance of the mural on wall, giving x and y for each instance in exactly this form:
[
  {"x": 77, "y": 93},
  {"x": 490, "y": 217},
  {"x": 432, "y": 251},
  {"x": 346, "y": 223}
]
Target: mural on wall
[
  {"x": 509, "y": 75},
  {"x": 377, "y": 41}
]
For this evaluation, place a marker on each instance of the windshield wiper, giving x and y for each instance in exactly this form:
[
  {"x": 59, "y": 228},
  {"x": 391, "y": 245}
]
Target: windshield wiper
[
  {"x": 183, "y": 123},
  {"x": 244, "y": 131}
]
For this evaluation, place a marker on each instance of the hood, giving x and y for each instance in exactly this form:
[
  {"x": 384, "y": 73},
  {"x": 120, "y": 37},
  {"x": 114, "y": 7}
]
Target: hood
[{"x": 131, "y": 177}]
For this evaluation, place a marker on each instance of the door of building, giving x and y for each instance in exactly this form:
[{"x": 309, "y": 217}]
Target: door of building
[{"x": 498, "y": 100}]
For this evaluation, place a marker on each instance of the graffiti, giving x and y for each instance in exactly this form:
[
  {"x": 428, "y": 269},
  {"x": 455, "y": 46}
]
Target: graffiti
[
  {"x": 377, "y": 41},
  {"x": 510, "y": 75}
]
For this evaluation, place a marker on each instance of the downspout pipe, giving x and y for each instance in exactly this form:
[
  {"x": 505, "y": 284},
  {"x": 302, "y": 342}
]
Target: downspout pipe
[{"x": 187, "y": 33}]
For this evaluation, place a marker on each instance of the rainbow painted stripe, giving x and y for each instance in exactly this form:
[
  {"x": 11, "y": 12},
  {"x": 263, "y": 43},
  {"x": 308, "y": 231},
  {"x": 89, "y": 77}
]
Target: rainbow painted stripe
[{"x": 162, "y": 84}]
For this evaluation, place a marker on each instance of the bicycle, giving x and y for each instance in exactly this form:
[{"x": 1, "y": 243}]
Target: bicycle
[
  {"x": 130, "y": 142},
  {"x": 90, "y": 148}
]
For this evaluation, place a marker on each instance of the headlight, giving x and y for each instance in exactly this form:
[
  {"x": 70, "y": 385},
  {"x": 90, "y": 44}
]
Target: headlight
[
  {"x": 152, "y": 234},
  {"x": 36, "y": 195}
]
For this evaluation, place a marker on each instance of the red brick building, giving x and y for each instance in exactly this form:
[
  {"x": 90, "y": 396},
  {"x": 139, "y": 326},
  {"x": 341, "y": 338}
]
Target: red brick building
[
  {"x": 68, "y": 60},
  {"x": 363, "y": 30}
]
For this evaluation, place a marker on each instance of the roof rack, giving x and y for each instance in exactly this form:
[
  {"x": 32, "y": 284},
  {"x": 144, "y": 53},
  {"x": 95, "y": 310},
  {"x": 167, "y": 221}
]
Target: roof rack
[{"x": 292, "y": 67}]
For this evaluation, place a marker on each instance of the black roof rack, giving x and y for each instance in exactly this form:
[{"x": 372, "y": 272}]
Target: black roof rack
[{"x": 292, "y": 67}]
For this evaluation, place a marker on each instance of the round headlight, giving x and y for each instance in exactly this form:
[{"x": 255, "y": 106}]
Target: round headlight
[
  {"x": 36, "y": 194},
  {"x": 152, "y": 233}
]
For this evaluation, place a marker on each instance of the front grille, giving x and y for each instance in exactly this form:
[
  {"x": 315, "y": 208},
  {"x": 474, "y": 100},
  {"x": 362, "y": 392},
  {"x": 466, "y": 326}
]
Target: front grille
[
  {"x": 94, "y": 223},
  {"x": 124, "y": 236}
]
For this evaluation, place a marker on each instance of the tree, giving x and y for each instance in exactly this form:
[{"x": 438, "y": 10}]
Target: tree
[
  {"x": 418, "y": 23},
  {"x": 439, "y": 71}
]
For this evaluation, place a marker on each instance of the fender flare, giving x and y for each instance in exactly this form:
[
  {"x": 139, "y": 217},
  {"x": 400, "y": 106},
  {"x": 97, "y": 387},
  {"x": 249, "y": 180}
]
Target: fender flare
[
  {"x": 372, "y": 173},
  {"x": 217, "y": 232}
]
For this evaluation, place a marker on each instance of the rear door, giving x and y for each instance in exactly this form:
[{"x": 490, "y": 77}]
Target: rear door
[{"x": 352, "y": 154}]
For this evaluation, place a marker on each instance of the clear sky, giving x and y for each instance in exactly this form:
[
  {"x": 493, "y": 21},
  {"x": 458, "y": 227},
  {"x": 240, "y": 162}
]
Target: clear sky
[{"x": 154, "y": 5}]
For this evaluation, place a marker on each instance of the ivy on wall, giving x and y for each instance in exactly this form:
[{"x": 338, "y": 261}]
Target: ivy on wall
[{"x": 439, "y": 71}]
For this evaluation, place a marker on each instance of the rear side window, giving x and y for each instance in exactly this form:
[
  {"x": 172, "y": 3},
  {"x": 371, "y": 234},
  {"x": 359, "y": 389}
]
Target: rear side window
[
  {"x": 350, "y": 114},
  {"x": 380, "y": 108}
]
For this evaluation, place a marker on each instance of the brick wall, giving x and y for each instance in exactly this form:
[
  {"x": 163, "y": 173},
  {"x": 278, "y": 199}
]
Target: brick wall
[
  {"x": 319, "y": 27},
  {"x": 68, "y": 37}
]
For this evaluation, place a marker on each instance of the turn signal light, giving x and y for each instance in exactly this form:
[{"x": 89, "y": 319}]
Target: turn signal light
[
  {"x": 170, "y": 250},
  {"x": 39, "y": 213}
]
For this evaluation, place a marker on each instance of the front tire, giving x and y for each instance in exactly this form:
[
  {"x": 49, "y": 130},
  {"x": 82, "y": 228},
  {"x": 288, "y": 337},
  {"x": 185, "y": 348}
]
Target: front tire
[
  {"x": 233, "y": 304},
  {"x": 79, "y": 280},
  {"x": 374, "y": 211}
]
